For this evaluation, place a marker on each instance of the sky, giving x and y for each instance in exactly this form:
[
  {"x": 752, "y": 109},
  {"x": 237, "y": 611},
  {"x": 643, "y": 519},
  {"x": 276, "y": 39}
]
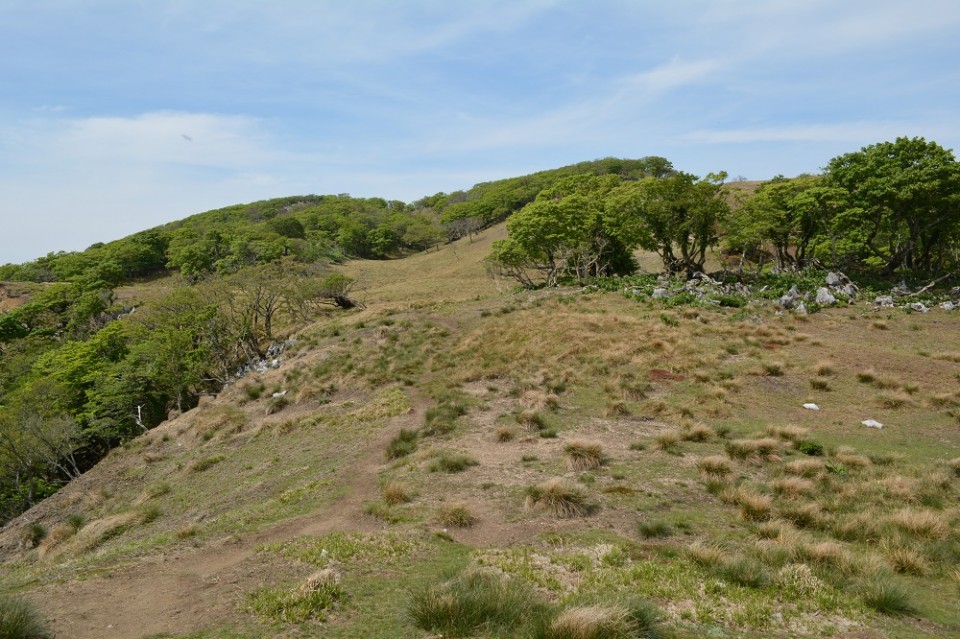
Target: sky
[{"x": 120, "y": 115}]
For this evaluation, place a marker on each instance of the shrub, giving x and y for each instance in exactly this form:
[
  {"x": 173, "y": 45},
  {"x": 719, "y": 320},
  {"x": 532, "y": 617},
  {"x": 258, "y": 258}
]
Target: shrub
[
  {"x": 472, "y": 601},
  {"x": 560, "y": 497},
  {"x": 20, "y": 620},
  {"x": 403, "y": 444},
  {"x": 448, "y": 462},
  {"x": 583, "y": 455},
  {"x": 810, "y": 447}
]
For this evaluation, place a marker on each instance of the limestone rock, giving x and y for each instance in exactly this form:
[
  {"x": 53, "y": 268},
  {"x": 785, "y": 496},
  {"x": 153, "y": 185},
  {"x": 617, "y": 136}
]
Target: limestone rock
[{"x": 825, "y": 297}]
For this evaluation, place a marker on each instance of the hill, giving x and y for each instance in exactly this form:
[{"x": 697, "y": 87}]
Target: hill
[{"x": 457, "y": 443}]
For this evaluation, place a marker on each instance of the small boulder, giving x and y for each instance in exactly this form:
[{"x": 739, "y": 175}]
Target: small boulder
[
  {"x": 883, "y": 300},
  {"x": 949, "y": 306},
  {"x": 825, "y": 297},
  {"x": 850, "y": 290},
  {"x": 920, "y": 307},
  {"x": 833, "y": 279},
  {"x": 788, "y": 299},
  {"x": 801, "y": 308},
  {"x": 811, "y": 406},
  {"x": 660, "y": 293},
  {"x": 871, "y": 423}
]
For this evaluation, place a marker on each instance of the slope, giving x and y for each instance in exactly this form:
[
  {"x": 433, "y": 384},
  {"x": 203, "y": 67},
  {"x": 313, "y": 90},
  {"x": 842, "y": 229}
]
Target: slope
[{"x": 591, "y": 445}]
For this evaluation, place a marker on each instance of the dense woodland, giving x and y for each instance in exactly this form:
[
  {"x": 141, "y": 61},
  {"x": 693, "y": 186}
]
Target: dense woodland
[{"x": 81, "y": 372}]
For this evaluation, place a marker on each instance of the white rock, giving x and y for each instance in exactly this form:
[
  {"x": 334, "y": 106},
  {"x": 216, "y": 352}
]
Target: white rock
[
  {"x": 788, "y": 299},
  {"x": 811, "y": 407},
  {"x": 919, "y": 306},
  {"x": 660, "y": 293},
  {"x": 883, "y": 300},
  {"x": 833, "y": 279},
  {"x": 825, "y": 297},
  {"x": 280, "y": 394},
  {"x": 871, "y": 423},
  {"x": 949, "y": 306},
  {"x": 801, "y": 308}
]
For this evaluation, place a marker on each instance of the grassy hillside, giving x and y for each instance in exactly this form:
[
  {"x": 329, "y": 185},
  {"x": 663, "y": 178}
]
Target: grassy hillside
[{"x": 582, "y": 455}]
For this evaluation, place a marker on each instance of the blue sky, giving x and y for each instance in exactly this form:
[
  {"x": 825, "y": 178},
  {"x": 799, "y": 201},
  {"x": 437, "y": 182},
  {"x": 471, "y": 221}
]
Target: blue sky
[{"x": 118, "y": 115}]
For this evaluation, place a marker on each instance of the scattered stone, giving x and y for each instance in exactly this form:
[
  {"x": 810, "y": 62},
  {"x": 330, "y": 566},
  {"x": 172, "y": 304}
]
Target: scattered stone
[
  {"x": 280, "y": 394},
  {"x": 949, "y": 306},
  {"x": 811, "y": 406},
  {"x": 825, "y": 297},
  {"x": 788, "y": 299},
  {"x": 660, "y": 293},
  {"x": 919, "y": 307},
  {"x": 900, "y": 289},
  {"x": 883, "y": 300},
  {"x": 871, "y": 423},
  {"x": 833, "y": 279},
  {"x": 801, "y": 308},
  {"x": 850, "y": 290}
]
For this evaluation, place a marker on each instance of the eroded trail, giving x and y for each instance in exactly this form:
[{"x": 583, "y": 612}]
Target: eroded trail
[{"x": 188, "y": 590}]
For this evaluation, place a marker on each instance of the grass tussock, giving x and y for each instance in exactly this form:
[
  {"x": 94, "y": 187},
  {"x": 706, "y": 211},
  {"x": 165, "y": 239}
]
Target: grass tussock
[
  {"x": 403, "y": 444},
  {"x": 754, "y": 450},
  {"x": 636, "y": 620},
  {"x": 456, "y": 515},
  {"x": 449, "y": 462},
  {"x": 923, "y": 524},
  {"x": 715, "y": 465},
  {"x": 559, "y": 497},
  {"x": 894, "y": 400},
  {"x": 792, "y": 434},
  {"x": 706, "y": 555},
  {"x": 697, "y": 432},
  {"x": 809, "y": 468},
  {"x": 471, "y": 601},
  {"x": 886, "y": 596},
  {"x": 753, "y": 506},
  {"x": 824, "y": 368},
  {"x": 394, "y": 493},
  {"x": 669, "y": 441},
  {"x": 793, "y": 487},
  {"x": 505, "y": 434},
  {"x": 20, "y": 620},
  {"x": 654, "y": 529},
  {"x": 310, "y": 601},
  {"x": 583, "y": 455}
]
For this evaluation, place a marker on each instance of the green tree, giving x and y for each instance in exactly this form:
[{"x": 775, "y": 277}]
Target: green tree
[
  {"x": 904, "y": 203},
  {"x": 677, "y": 216}
]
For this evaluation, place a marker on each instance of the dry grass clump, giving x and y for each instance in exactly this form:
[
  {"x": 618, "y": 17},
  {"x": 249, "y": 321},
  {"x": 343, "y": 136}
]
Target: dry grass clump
[
  {"x": 806, "y": 515},
  {"x": 954, "y": 465},
  {"x": 583, "y": 455},
  {"x": 449, "y": 462},
  {"x": 531, "y": 420},
  {"x": 559, "y": 497},
  {"x": 395, "y": 493},
  {"x": 944, "y": 400},
  {"x": 793, "y": 487},
  {"x": 948, "y": 356},
  {"x": 900, "y": 488},
  {"x": 754, "y": 506},
  {"x": 905, "y": 560},
  {"x": 879, "y": 325},
  {"x": 851, "y": 460},
  {"x": 824, "y": 368},
  {"x": 538, "y": 400},
  {"x": 863, "y": 526},
  {"x": 774, "y": 369},
  {"x": 867, "y": 376},
  {"x": 826, "y": 553},
  {"x": 505, "y": 434},
  {"x": 794, "y": 434},
  {"x": 697, "y": 432},
  {"x": 894, "y": 400},
  {"x": 706, "y": 555},
  {"x": 755, "y": 450},
  {"x": 819, "y": 384},
  {"x": 668, "y": 440},
  {"x": 716, "y": 465},
  {"x": 456, "y": 515},
  {"x": 616, "y": 408},
  {"x": 638, "y": 620},
  {"x": 809, "y": 468},
  {"x": 57, "y": 535},
  {"x": 925, "y": 524}
]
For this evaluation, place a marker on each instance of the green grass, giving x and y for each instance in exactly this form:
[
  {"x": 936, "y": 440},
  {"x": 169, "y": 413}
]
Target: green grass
[
  {"x": 295, "y": 606},
  {"x": 20, "y": 620},
  {"x": 448, "y": 462},
  {"x": 403, "y": 444}
]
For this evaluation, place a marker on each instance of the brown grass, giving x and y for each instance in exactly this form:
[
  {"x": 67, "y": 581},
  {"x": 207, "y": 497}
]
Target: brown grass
[
  {"x": 698, "y": 433},
  {"x": 583, "y": 455},
  {"x": 754, "y": 506},
  {"x": 754, "y": 450},
  {"x": 792, "y": 434},
  {"x": 824, "y": 368},
  {"x": 560, "y": 497},
  {"x": 715, "y": 465},
  {"x": 704, "y": 554},
  {"x": 395, "y": 493},
  {"x": 456, "y": 515},
  {"x": 793, "y": 487},
  {"x": 808, "y": 468},
  {"x": 924, "y": 524}
]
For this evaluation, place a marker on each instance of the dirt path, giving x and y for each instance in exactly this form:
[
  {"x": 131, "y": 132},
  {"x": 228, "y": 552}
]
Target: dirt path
[{"x": 188, "y": 590}]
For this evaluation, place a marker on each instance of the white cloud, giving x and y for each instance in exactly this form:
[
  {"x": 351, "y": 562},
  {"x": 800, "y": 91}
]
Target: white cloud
[{"x": 865, "y": 132}]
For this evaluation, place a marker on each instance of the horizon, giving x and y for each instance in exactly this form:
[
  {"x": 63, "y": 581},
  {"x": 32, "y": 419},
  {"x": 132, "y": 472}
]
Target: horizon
[{"x": 127, "y": 117}]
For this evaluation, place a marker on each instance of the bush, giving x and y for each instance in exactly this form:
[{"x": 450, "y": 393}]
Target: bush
[
  {"x": 20, "y": 620},
  {"x": 472, "y": 601},
  {"x": 403, "y": 444},
  {"x": 809, "y": 447}
]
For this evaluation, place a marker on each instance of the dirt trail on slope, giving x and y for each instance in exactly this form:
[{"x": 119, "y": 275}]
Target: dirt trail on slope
[{"x": 188, "y": 590}]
